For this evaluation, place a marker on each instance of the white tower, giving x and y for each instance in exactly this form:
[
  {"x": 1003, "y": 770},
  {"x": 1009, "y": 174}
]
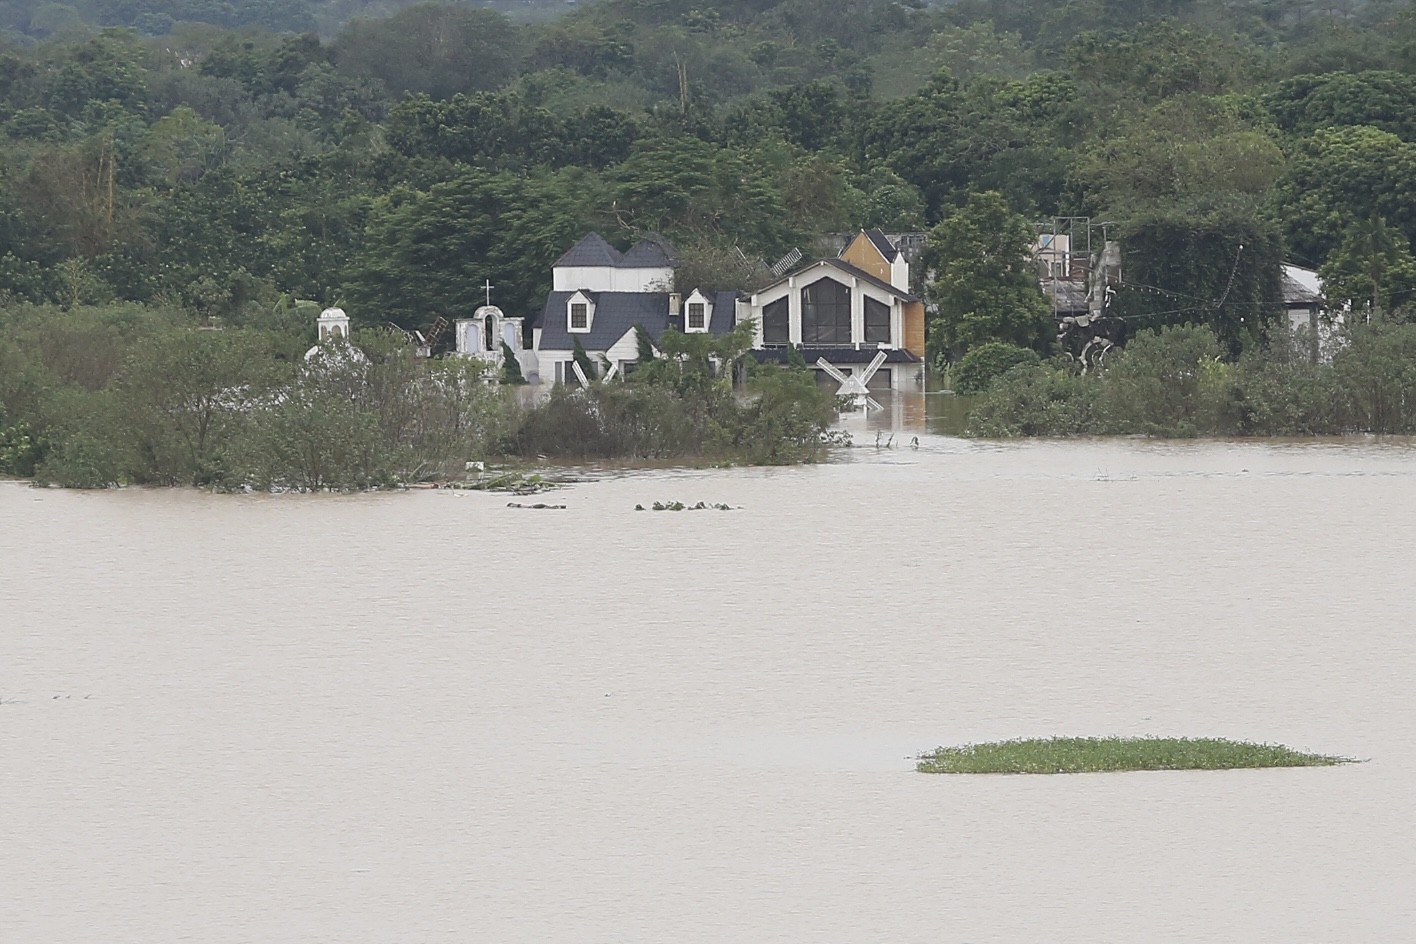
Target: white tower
[{"x": 334, "y": 323}]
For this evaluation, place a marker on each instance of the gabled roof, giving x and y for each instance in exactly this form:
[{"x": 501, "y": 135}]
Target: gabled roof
[
  {"x": 647, "y": 254},
  {"x": 847, "y": 269},
  {"x": 618, "y": 312},
  {"x": 1301, "y": 286},
  {"x": 882, "y": 244},
  {"x": 592, "y": 251}
]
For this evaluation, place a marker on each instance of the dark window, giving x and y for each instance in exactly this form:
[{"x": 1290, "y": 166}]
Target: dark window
[
  {"x": 877, "y": 322},
  {"x": 579, "y": 316},
  {"x": 882, "y": 379},
  {"x": 826, "y": 313},
  {"x": 696, "y": 319},
  {"x": 776, "y": 328}
]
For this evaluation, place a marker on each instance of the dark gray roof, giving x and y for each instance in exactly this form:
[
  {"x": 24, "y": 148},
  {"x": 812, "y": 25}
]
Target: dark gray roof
[
  {"x": 591, "y": 251},
  {"x": 848, "y": 269},
  {"x": 647, "y": 254},
  {"x": 882, "y": 243},
  {"x": 835, "y": 355},
  {"x": 618, "y": 312}
]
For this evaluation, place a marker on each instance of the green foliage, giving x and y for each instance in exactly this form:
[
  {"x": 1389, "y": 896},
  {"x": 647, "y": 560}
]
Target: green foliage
[
  {"x": 437, "y": 48},
  {"x": 1340, "y": 176},
  {"x": 20, "y": 450},
  {"x": 1164, "y": 59},
  {"x": 511, "y": 367},
  {"x": 1181, "y": 152},
  {"x": 428, "y": 252},
  {"x": 1380, "y": 99},
  {"x": 1168, "y": 382},
  {"x": 1372, "y": 269},
  {"x": 1097, "y": 755},
  {"x": 582, "y": 359},
  {"x": 1046, "y": 400},
  {"x": 984, "y": 287},
  {"x": 682, "y": 405},
  {"x": 643, "y": 345},
  {"x": 1220, "y": 268},
  {"x": 182, "y": 398},
  {"x": 1175, "y": 383},
  {"x": 984, "y": 364}
]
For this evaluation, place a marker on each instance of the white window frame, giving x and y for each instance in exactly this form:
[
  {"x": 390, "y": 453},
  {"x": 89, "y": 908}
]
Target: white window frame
[
  {"x": 579, "y": 299},
  {"x": 697, "y": 298}
]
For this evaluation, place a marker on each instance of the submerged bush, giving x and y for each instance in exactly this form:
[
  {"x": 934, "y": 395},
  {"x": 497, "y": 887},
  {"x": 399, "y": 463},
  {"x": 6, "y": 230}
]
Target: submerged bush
[
  {"x": 1175, "y": 382},
  {"x": 986, "y": 363},
  {"x": 1096, "y": 755},
  {"x": 1043, "y": 400}
]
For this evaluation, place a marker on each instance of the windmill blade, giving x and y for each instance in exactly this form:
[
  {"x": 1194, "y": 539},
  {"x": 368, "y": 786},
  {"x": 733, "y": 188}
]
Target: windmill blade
[
  {"x": 872, "y": 404},
  {"x": 584, "y": 381},
  {"x": 831, "y": 370},
  {"x": 610, "y": 374},
  {"x": 874, "y": 366}
]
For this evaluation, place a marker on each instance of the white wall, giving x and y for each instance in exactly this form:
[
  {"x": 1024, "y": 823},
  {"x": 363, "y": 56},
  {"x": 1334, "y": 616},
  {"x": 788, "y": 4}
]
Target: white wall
[
  {"x": 610, "y": 279},
  {"x": 594, "y": 278}
]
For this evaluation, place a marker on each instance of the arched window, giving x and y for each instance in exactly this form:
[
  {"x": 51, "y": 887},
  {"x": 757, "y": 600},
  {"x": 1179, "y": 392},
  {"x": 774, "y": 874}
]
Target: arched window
[
  {"x": 776, "y": 327},
  {"x": 826, "y": 313}
]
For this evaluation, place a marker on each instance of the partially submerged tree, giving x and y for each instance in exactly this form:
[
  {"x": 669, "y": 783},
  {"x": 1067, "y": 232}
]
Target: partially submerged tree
[{"x": 984, "y": 286}]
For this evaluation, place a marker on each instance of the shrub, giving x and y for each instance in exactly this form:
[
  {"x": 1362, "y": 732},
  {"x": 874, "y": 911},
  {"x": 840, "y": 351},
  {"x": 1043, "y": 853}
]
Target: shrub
[
  {"x": 1168, "y": 382},
  {"x": 986, "y": 363},
  {"x": 1041, "y": 400}
]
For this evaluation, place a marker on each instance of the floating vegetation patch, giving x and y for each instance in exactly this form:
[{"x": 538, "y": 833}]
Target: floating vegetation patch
[
  {"x": 517, "y": 483},
  {"x": 1096, "y": 755},
  {"x": 680, "y": 506}
]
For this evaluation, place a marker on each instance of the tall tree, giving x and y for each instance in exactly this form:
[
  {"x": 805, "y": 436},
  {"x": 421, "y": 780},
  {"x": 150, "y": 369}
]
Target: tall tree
[{"x": 984, "y": 286}]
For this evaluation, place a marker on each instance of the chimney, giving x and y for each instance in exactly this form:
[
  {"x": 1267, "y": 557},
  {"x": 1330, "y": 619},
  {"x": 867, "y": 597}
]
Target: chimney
[{"x": 675, "y": 304}]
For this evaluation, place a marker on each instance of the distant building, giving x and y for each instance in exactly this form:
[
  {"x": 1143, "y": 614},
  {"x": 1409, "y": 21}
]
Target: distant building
[
  {"x": 845, "y": 310},
  {"x": 601, "y": 296},
  {"x": 489, "y": 334},
  {"x": 1303, "y": 297}
]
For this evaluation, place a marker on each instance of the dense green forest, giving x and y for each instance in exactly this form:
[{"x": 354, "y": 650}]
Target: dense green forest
[
  {"x": 216, "y": 167},
  {"x": 208, "y": 162}
]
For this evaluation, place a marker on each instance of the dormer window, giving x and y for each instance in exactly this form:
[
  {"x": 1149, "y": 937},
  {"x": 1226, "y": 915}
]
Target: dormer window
[
  {"x": 580, "y": 312},
  {"x": 697, "y": 312}
]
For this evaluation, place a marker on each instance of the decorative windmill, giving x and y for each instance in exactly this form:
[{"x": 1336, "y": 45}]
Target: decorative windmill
[{"x": 854, "y": 386}]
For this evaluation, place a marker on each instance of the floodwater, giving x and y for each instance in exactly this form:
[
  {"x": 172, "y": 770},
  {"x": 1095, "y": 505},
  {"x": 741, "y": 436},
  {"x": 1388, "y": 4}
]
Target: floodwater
[{"x": 430, "y": 717}]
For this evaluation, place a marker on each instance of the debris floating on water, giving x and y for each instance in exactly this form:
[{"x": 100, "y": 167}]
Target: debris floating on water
[{"x": 680, "y": 506}]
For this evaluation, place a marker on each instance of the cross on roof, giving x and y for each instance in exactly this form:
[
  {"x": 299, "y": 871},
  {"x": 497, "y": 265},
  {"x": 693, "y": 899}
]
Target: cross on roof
[{"x": 489, "y": 286}]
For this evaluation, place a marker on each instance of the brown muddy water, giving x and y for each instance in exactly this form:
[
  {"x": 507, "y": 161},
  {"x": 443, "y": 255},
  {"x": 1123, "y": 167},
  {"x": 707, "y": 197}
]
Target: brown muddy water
[{"x": 429, "y": 717}]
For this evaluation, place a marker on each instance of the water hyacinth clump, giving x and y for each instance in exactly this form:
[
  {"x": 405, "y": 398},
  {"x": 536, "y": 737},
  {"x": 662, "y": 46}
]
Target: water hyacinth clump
[{"x": 1095, "y": 755}]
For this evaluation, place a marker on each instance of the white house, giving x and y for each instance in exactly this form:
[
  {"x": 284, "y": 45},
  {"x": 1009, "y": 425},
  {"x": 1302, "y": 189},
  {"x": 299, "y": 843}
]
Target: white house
[
  {"x": 600, "y": 296},
  {"x": 846, "y": 311}
]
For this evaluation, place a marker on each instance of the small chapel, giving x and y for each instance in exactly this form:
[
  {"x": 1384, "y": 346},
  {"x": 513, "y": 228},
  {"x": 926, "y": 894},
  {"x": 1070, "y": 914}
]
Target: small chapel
[{"x": 491, "y": 335}]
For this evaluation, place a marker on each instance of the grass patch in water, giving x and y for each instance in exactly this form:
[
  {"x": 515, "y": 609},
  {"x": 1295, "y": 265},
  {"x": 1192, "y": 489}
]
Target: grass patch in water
[{"x": 1096, "y": 755}]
